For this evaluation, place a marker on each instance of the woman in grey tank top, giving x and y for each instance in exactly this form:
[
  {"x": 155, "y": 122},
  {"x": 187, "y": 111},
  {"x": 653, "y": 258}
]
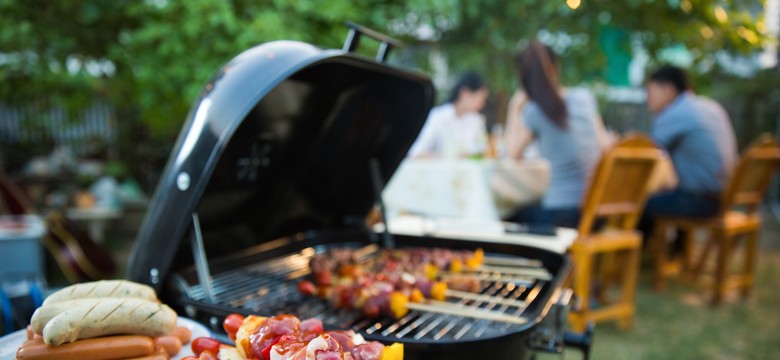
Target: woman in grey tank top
[{"x": 568, "y": 129}]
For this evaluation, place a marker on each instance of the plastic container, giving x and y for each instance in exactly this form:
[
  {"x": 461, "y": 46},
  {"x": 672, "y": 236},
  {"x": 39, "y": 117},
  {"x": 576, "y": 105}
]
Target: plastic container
[{"x": 21, "y": 253}]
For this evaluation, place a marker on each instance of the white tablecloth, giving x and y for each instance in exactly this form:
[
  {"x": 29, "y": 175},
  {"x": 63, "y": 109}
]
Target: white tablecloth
[
  {"x": 96, "y": 218},
  {"x": 465, "y": 189},
  {"x": 479, "y": 230}
]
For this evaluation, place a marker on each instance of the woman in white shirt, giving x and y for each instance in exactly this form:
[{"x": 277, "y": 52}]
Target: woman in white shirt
[{"x": 455, "y": 128}]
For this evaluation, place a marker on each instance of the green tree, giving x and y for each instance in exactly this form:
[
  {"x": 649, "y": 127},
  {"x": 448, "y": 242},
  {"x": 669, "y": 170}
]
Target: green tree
[
  {"x": 150, "y": 57},
  {"x": 485, "y": 34}
]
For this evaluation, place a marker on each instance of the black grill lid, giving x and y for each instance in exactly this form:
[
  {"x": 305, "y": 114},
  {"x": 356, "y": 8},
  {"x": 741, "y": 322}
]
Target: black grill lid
[{"x": 280, "y": 142}]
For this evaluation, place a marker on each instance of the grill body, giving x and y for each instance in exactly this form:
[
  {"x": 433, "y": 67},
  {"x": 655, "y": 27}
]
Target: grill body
[
  {"x": 282, "y": 155},
  {"x": 263, "y": 280}
]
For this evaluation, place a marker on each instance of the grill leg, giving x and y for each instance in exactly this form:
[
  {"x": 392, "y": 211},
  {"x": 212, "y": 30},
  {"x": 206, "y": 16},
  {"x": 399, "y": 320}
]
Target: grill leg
[{"x": 580, "y": 341}]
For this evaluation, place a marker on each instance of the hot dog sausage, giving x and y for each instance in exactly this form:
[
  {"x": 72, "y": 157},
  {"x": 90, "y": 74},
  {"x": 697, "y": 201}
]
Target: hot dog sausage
[
  {"x": 171, "y": 344},
  {"x": 105, "y": 348},
  {"x": 183, "y": 334},
  {"x": 158, "y": 354}
]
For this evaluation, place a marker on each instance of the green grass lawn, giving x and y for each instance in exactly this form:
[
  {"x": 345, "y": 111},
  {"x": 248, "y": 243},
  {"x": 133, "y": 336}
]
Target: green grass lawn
[{"x": 680, "y": 323}]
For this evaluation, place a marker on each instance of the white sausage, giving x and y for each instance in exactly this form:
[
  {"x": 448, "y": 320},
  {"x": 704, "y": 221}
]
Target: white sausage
[
  {"x": 109, "y": 316},
  {"x": 103, "y": 288},
  {"x": 43, "y": 314}
]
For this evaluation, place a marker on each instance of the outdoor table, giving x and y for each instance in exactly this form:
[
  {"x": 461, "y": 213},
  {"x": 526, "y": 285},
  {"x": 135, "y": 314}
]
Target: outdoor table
[
  {"x": 481, "y": 230},
  {"x": 481, "y": 189},
  {"x": 96, "y": 219}
]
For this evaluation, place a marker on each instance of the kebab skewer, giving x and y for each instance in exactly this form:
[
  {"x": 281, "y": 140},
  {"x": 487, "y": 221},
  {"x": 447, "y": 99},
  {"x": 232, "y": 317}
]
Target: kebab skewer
[
  {"x": 400, "y": 305},
  {"x": 430, "y": 261},
  {"x": 389, "y": 289}
]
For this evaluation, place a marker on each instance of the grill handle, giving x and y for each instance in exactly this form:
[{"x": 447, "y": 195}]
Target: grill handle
[{"x": 386, "y": 43}]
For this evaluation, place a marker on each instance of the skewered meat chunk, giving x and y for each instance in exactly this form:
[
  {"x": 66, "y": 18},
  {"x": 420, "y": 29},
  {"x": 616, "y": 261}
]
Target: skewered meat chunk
[
  {"x": 368, "y": 351},
  {"x": 351, "y": 281},
  {"x": 285, "y": 337},
  {"x": 271, "y": 331},
  {"x": 310, "y": 328}
]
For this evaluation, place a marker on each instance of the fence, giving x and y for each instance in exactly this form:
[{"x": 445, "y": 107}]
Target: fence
[
  {"x": 749, "y": 120},
  {"x": 42, "y": 127}
]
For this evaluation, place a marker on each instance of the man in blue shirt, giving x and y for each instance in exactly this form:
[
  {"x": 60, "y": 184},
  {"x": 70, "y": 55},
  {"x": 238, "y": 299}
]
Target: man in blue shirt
[{"x": 696, "y": 133}]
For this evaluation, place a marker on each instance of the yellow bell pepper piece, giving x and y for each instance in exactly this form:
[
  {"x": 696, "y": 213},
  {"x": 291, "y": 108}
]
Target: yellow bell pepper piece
[
  {"x": 431, "y": 271},
  {"x": 472, "y": 263},
  {"x": 417, "y": 296},
  {"x": 398, "y": 303},
  {"x": 479, "y": 254},
  {"x": 393, "y": 352},
  {"x": 456, "y": 265},
  {"x": 438, "y": 291}
]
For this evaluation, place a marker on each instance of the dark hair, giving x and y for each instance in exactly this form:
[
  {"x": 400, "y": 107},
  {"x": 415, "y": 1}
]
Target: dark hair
[
  {"x": 536, "y": 66},
  {"x": 672, "y": 75},
  {"x": 468, "y": 80}
]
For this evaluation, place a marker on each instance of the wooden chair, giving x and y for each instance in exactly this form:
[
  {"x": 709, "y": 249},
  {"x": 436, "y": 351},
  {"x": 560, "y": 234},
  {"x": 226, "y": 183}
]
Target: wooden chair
[
  {"x": 615, "y": 200},
  {"x": 738, "y": 217}
]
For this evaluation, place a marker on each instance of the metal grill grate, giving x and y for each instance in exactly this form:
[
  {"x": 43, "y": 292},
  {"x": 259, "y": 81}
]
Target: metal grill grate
[{"x": 270, "y": 288}]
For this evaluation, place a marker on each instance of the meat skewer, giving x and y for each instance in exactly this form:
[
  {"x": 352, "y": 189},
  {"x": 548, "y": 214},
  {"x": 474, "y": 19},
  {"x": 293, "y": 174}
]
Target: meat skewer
[
  {"x": 485, "y": 298},
  {"x": 392, "y": 282},
  {"x": 494, "y": 278},
  {"x": 540, "y": 274},
  {"x": 519, "y": 262},
  {"x": 401, "y": 304},
  {"x": 420, "y": 260}
]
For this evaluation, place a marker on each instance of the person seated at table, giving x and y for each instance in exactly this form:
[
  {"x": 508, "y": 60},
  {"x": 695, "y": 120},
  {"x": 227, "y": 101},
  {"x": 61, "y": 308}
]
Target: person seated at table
[
  {"x": 696, "y": 133},
  {"x": 565, "y": 124},
  {"x": 455, "y": 128}
]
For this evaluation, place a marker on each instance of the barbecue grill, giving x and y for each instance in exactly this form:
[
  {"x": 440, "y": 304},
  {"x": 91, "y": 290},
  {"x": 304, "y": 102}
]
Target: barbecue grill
[{"x": 282, "y": 156}]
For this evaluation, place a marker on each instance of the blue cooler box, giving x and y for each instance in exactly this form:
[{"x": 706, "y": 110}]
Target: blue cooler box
[{"x": 21, "y": 253}]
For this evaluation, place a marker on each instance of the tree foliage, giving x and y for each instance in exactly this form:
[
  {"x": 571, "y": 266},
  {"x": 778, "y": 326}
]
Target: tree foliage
[
  {"x": 485, "y": 34},
  {"x": 150, "y": 57}
]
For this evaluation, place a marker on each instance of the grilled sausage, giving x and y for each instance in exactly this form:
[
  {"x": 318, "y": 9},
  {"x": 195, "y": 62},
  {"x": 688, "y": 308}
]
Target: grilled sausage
[
  {"x": 105, "y": 348},
  {"x": 104, "y": 288},
  {"x": 108, "y": 316}
]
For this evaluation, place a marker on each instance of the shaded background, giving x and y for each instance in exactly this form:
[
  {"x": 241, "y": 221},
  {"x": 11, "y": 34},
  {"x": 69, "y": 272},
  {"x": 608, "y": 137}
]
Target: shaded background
[{"x": 114, "y": 80}]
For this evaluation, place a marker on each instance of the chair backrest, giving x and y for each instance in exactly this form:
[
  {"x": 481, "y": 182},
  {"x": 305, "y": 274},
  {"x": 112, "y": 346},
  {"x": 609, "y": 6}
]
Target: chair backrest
[
  {"x": 750, "y": 179},
  {"x": 619, "y": 186},
  {"x": 13, "y": 199}
]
